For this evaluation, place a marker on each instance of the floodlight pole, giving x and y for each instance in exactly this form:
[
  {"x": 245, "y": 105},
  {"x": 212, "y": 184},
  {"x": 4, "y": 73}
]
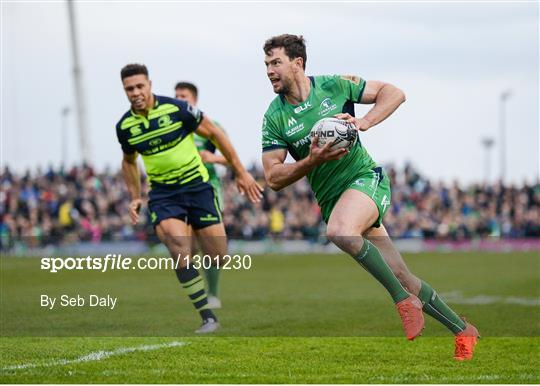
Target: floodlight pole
[
  {"x": 502, "y": 126},
  {"x": 80, "y": 104},
  {"x": 488, "y": 144},
  {"x": 64, "y": 135}
]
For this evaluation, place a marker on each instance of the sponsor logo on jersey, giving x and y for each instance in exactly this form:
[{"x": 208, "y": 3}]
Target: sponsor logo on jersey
[
  {"x": 164, "y": 120},
  {"x": 291, "y": 121},
  {"x": 302, "y": 108},
  {"x": 294, "y": 130},
  {"x": 135, "y": 130},
  {"x": 304, "y": 141},
  {"x": 155, "y": 142},
  {"x": 161, "y": 147},
  {"x": 326, "y": 106}
]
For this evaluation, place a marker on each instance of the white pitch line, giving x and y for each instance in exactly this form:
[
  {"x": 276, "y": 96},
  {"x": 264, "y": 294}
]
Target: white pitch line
[
  {"x": 449, "y": 380},
  {"x": 96, "y": 356},
  {"x": 457, "y": 297}
]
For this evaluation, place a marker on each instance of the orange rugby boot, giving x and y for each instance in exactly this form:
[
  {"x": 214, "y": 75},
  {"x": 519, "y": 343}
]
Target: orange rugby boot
[
  {"x": 465, "y": 342},
  {"x": 410, "y": 311}
]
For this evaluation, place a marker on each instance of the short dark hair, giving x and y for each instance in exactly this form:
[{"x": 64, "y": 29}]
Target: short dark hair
[
  {"x": 295, "y": 46},
  {"x": 187, "y": 85},
  {"x": 133, "y": 69}
]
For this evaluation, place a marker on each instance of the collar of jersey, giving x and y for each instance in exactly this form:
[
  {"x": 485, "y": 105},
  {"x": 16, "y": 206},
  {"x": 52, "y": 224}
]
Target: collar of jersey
[
  {"x": 284, "y": 101},
  {"x": 156, "y": 104}
]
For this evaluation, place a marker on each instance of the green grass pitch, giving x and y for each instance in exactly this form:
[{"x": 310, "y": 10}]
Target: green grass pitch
[{"x": 289, "y": 319}]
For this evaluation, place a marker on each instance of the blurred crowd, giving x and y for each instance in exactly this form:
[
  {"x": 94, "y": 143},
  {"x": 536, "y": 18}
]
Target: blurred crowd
[{"x": 58, "y": 206}]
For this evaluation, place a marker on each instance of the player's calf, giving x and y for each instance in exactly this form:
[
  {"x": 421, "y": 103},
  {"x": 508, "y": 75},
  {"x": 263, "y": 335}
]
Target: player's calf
[
  {"x": 409, "y": 306},
  {"x": 193, "y": 284}
]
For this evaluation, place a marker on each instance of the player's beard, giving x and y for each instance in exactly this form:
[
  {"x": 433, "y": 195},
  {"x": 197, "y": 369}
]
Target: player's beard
[{"x": 285, "y": 87}]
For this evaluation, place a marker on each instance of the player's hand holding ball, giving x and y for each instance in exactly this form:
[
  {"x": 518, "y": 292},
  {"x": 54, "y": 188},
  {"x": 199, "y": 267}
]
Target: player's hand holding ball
[
  {"x": 319, "y": 154},
  {"x": 338, "y": 132},
  {"x": 331, "y": 139},
  {"x": 360, "y": 124}
]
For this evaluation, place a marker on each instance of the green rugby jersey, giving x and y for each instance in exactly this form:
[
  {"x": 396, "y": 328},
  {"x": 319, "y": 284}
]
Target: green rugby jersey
[
  {"x": 287, "y": 126},
  {"x": 165, "y": 142}
]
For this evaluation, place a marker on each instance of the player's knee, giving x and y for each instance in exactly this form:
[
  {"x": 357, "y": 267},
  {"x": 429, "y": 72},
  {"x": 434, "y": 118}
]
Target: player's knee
[
  {"x": 173, "y": 241},
  {"x": 335, "y": 232},
  {"x": 342, "y": 235}
]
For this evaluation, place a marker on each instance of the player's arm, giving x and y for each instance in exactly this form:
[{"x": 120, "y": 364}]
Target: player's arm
[
  {"x": 245, "y": 181},
  {"x": 210, "y": 158},
  {"x": 385, "y": 98},
  {"x": 130, "y": 172},
  {"x": 279, "y": 174},
  {"x": 208, "y": 152}
]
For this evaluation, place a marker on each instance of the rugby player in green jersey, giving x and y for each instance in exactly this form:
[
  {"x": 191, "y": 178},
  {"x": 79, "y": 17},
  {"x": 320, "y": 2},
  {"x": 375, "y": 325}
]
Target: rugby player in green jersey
[
  {"x": 352, "y": 191},
  {"x": 188, "y": 92},
  {"x": 160, "y": 130}
]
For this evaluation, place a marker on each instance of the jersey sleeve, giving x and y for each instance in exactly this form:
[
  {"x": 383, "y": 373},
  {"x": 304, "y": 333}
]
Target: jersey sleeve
[
  {"x": 352, "y": 85},
  {"x": 208, "y": 145},
  {"x": 271, "y": 135},
  {"x": 190, "y": 115},
  {"x": 122, "y": 138}
]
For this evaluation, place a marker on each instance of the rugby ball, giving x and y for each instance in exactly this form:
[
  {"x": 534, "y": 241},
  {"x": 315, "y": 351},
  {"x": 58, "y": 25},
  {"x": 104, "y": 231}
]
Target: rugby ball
[{"x": 342, "y": 134}]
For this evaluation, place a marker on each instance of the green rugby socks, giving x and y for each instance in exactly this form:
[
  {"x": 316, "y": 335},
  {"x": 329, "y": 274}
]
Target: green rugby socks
[
  {"x": 212, "y": 277},
  {"x": 193, "y": 284},
  {"x": 434, "y": 306},
  {"x": 370, "y": 258}
]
